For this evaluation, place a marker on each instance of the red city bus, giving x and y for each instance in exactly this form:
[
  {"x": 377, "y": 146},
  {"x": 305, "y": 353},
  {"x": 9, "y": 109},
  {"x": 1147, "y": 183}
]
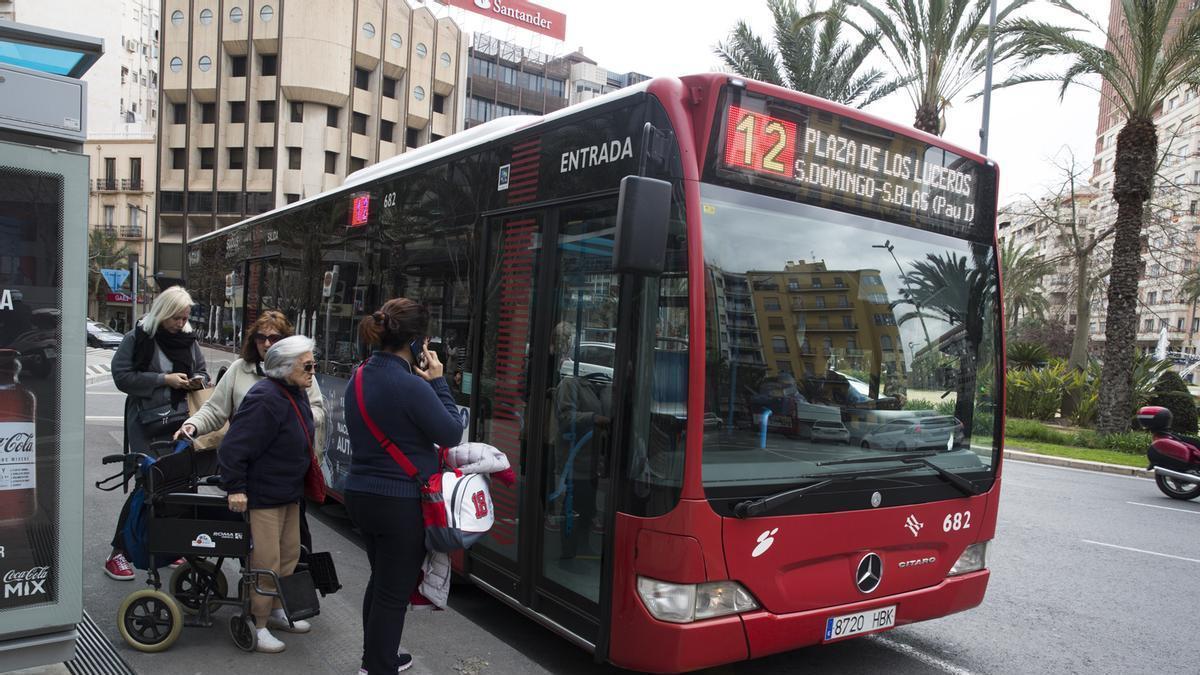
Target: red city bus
[{"x": 742, "y": 345}]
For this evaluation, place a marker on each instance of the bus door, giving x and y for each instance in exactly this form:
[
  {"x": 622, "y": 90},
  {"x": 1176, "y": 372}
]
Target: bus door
[{"x": 545, "y": 398}]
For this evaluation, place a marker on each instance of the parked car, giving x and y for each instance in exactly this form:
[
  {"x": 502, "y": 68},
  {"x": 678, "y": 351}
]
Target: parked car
[
  {"x": 836, "y": 432},
  {"x": 915, "y": 433},
  {"x": 99, "y": 335},
  {"x": 595, "y": 358}
]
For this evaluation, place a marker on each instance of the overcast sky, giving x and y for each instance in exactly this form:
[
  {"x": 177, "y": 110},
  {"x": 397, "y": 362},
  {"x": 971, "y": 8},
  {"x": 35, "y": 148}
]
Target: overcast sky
[{"x": 1029, "y": 125}]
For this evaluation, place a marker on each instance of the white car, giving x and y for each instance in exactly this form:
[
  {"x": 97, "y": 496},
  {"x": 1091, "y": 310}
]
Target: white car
[
  {"x": 595, "y": 358},
  {"x": 836, "y": 432},
  {"x": 915, "y": 433}
]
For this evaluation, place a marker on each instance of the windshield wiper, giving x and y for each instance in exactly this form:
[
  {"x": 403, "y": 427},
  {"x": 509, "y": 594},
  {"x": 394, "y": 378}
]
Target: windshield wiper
[
  {"x": 954, "y": 479},
  {"x": 755, "y": 507}
]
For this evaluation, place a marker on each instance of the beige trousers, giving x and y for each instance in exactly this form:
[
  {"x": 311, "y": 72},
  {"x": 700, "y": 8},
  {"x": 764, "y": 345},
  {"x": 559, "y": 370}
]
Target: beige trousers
[{"x": 275, "y": 532}]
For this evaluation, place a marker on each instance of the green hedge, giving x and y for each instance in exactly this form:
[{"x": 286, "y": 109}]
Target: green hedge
[
  {"x": 1132, "y": 442},
  {"x": 1182, "y": 407}
]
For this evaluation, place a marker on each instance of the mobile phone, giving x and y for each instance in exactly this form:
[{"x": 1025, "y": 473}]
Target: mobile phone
[
  {"x": 196, "y": 381},
  {"x": 417, "y": 347}
]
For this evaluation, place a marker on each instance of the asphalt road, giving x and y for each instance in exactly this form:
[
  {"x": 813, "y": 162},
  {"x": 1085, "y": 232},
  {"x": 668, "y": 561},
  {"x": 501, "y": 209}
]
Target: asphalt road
[{"x": 1092, "y": 573}]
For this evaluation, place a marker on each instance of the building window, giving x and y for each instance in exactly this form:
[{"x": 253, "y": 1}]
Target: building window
[
  {"x": 331, "y": 116},
  {"x": 357, "y": 163},
  {"x": 783, "y": 366},
  {"x": 885, "y": 342},
  {"x": 237, "y": 66},
  {"x": 237, "y": 112},
  {"x": 178, "y": 159},
  {"x": 235, "y": 15},
  {"x": 208, "y": 113},
  {"x": 422, "y": 50},
  {"x": 386, "y": 131},
  {"x": 439, "y": 103},
  {"x": 266, "y": 13},
  {"x": 204, "y": 64},
  {"x": 1148, "y": 325},
  {"x": 177, "y": 17},
  {"x": 771, "y": 304},
  {"x": 843, "y": 301},
  {"x": 445, "y": 59},
  {"x": 176, "y": 64},
  {"x": 297, "y": 111},
  {"x": 410, "y": 138},
  {"x": 266, "y": 158},
  {"x": 816, "y": 282},
  {"x": 268, "y": 65},
  {"x": 838, "y": 283},
  {"x": 266, "y": 111},
  {"x": 358, "y": 123},
  {"x": 206, "y": 158},
  {"x": 291, "y": 198},
  {"x": 779, "y": 344},
  {"x": 368, "y": 30},
  {"x": 389, "y": 87},
  {"x": 135, "y": 172},
  {"x": 847, "y": 322},
  {"x": 109, "y": 217},
  {"x": 294, "y": 159},
  {"x": 419, "y": 93},
  {"x": 206, "y": 16},
  {"x": 237, "y": 159},
  {"x": 362, "y": 78},
  {"x": 820, "y": 302},
  {"x": 331, "y": 162},
  {"x": 775, "y": 322},
  {"x": 397, "y": 41},
  {"x": 179, "y": 113}
]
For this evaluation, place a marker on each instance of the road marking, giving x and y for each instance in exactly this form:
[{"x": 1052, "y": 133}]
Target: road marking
[
  {"x": 1165, "y": 508},
  {"x": 1138, "y": 550},
  {"x": 104, "y": 418},
  {"x": 923, "y": 657},
  {"x": 106, "y": 393}
]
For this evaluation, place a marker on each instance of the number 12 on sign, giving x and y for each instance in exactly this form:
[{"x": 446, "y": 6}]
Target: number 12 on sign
[{"x": 760, "y": 142}]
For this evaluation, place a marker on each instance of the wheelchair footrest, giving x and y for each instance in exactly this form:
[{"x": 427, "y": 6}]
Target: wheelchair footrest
[
  {"x": 324, "y": 573},
  {"x": 299, "y": 596}
]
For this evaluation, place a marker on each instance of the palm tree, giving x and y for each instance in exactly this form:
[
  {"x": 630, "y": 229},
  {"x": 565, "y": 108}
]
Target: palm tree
[
  {"x": 939, "y": 47},
  {"x": 1152, "y": 58},
  {"x": 808, "y": 59},
  {"x": 1022, "y": 273}
]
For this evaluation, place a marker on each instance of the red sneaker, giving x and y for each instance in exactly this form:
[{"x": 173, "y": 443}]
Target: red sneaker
[{"x": 118, "y": 567}]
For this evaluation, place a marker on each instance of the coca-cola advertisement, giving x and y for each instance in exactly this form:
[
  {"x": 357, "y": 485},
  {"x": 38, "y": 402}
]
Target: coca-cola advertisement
[{"x": 30, "y": 338}]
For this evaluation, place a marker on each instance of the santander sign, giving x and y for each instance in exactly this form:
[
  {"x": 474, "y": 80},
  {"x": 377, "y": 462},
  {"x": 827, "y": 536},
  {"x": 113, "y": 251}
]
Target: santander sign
[{"x": 518, "y": 13}]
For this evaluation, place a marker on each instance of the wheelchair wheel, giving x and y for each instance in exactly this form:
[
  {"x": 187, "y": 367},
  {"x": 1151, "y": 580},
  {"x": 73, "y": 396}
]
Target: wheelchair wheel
[
  {"x": 149, "y": 620},
  {"x": 190, "y": 582},
  {"x": 243, "y": 632}
]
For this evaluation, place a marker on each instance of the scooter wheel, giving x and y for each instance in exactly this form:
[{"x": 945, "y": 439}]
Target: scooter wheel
[{"x": 1177, "y": 489}]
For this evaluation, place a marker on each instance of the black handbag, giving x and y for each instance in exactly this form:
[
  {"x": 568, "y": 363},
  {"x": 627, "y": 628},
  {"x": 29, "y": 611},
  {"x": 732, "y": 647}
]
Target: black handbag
[{"x": 161, "y": 419}]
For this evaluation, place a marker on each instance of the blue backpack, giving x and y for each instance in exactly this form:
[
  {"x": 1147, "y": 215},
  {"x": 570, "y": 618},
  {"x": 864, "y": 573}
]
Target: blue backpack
[{"x": 135, "y": 532}]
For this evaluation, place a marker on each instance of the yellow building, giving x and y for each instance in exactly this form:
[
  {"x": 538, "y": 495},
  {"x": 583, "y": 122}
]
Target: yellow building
[{"x": 814, "y": 319}]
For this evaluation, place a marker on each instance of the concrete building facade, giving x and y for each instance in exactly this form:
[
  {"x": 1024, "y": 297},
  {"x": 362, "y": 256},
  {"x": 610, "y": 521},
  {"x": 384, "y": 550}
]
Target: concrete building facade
[{"x": 266, "y": 102}]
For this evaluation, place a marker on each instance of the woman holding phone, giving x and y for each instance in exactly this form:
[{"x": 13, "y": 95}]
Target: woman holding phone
[
  {"x": 158, "y": 362},
  {"x": 406, "y": 398}
]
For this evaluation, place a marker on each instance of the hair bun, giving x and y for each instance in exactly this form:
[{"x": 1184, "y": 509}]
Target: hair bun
[{"x": 379, "y": 317}]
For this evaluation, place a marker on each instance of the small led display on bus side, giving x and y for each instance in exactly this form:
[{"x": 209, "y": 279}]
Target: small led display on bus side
[{"x": 835, "y": 160}]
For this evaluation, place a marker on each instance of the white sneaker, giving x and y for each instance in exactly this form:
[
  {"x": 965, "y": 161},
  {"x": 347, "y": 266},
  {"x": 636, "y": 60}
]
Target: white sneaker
[
  {"x": 279, "y": 620},
  {"x": 267, "y": 643}
]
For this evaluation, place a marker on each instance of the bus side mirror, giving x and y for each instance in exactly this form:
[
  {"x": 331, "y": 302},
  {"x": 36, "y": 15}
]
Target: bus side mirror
[{"x": 643, "y": 214}]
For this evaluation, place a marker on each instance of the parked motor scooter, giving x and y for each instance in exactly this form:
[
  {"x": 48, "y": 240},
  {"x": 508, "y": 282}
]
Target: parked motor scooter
[{"x": 1174, "y": 457}]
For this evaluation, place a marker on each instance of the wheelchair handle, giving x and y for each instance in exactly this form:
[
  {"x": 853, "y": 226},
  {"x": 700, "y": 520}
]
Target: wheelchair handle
[{"x": 113, "y": 459}]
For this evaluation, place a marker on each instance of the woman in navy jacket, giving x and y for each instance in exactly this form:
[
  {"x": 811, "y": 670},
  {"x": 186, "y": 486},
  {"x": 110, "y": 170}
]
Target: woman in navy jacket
[
  {"x": 263, "y": 459},
  {"x": 411, "y": 405}
]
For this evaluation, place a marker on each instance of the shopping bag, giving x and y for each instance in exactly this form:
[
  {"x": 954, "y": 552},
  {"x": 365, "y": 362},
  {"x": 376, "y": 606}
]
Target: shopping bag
[{"x": 209, "y": 441}]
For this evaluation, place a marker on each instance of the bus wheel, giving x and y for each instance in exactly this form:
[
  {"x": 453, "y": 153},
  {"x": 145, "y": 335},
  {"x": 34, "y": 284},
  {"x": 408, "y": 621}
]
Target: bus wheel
[{"x": 149, "y": 620}]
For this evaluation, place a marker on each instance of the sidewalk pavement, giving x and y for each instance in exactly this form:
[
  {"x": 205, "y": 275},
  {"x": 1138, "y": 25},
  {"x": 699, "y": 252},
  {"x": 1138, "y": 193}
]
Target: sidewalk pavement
[{"x": 1118, "y": 469}]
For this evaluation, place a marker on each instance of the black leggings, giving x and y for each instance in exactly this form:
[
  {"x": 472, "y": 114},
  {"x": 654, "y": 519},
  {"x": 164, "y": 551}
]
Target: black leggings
[{"x": 394, "y": 532}]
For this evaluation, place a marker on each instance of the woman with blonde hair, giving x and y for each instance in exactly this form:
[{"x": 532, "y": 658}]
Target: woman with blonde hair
[
  {"x": 244, "y": 373},
  {"x": 158, "y": 362}
]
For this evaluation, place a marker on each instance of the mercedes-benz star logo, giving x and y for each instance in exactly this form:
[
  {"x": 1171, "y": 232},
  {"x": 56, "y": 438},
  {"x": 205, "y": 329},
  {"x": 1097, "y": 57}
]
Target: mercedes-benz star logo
[{"x": 869, "y": 574}]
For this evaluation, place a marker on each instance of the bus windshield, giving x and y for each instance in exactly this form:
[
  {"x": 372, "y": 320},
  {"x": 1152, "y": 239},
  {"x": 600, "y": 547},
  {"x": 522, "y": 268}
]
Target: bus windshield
[{"x": 836, "y": 341}]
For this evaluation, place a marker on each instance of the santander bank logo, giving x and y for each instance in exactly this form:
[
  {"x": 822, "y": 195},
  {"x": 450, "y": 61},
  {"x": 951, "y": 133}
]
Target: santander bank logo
[
  {"x": 765, "y": 540},
  {"x": 483, "y": 4}
]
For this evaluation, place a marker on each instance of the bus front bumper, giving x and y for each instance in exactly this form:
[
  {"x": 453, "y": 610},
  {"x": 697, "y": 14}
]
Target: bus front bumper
[{"x": 768, "y": 633}]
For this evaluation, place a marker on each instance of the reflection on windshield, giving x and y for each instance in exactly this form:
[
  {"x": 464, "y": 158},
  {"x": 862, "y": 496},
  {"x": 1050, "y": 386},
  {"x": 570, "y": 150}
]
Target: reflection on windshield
[{"x": 834, "y": 337}]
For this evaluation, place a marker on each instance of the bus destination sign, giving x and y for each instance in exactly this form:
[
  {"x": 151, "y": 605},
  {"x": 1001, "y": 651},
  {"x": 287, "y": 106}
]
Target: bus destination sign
[{"x": 835, "y": 159}]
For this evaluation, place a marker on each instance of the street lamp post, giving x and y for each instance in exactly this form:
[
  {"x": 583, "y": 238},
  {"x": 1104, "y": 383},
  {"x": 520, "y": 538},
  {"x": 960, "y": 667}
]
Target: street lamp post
[{"x": 887, "y": 246}]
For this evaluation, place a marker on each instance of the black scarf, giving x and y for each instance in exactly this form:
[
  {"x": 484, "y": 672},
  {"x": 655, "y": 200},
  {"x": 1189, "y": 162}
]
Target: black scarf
[{"x": 177, "y": 347}]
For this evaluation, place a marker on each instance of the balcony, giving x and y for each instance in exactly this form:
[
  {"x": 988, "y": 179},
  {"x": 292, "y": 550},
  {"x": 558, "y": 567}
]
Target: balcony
[
  {"x": 133, "y": 185},
  {"x": 135, "y": 232},
  {"x": 123, "y": 184},
  {"x": 106, "y": 185}
]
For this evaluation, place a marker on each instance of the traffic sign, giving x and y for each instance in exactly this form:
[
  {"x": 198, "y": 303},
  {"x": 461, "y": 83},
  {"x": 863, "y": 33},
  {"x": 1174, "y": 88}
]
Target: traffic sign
[{"x": 115, "y": 278}]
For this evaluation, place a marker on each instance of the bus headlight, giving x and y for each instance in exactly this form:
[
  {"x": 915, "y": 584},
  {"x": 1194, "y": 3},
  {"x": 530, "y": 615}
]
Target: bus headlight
[
  {"x": 972, "y": 560},
  {"x": 684, "y": 603}
]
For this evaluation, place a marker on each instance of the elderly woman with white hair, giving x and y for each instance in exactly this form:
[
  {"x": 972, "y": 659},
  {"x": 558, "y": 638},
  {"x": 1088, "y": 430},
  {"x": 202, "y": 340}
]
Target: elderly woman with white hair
[{"x": 263, "y": 459}]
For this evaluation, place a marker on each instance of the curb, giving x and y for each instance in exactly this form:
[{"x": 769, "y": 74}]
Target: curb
[
  {"x": 1086, "y": 465},
  {"x": 97, "y": 377}
]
